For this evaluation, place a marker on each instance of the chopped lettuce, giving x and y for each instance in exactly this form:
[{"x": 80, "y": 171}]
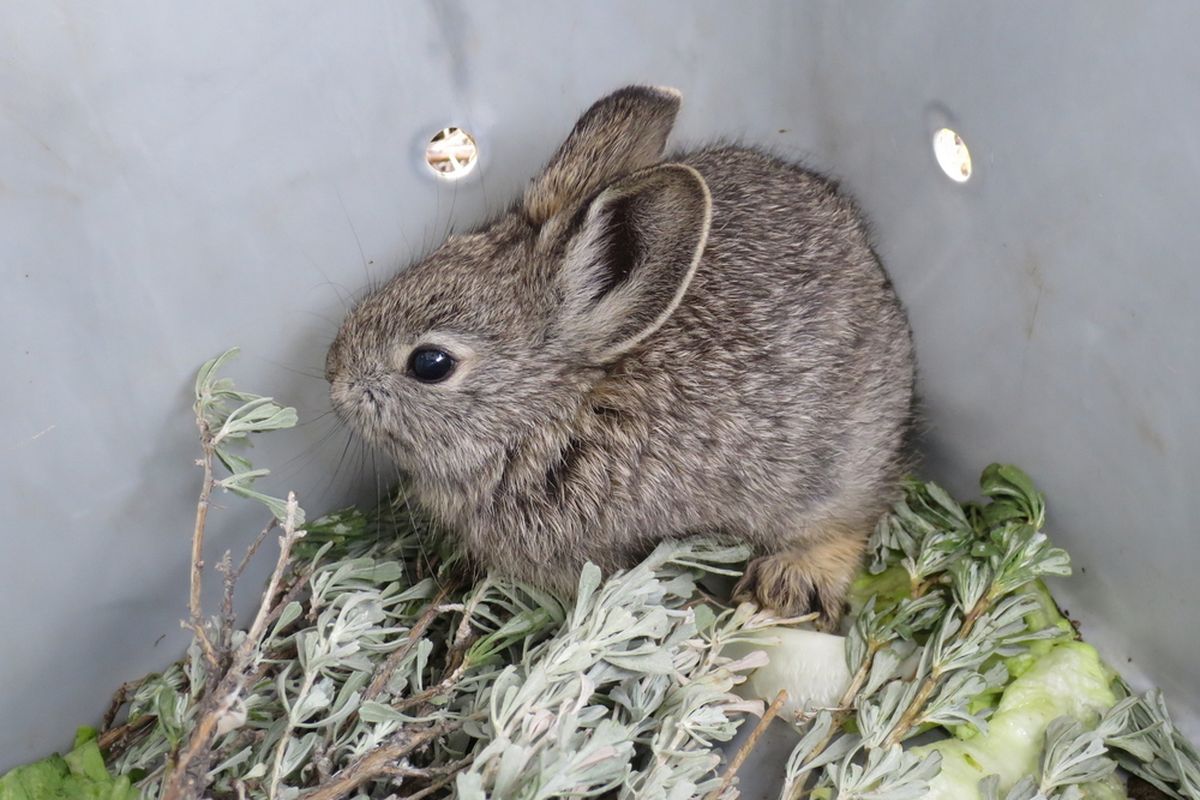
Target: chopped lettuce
[
  {"x": 1110, "y": 788},
  {"x": 808, "y": 664},
  {"x": 1046, "y": 615},
  {"x": 889, "y": 586},
  {"x": 79, "y": 775},
  {"x": 1068, "y": 680}
]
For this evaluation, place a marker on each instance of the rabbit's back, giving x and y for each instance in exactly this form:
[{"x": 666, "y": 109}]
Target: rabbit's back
[{"x": 783, "y": 383}]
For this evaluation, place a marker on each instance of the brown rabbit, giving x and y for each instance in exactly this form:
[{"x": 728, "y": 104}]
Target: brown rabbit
[{"x": 645, "y": 348}]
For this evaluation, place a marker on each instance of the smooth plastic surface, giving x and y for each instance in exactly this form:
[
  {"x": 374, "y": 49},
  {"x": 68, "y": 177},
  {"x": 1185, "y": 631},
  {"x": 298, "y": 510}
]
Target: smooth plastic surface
[{"x": 177, "y": 178}]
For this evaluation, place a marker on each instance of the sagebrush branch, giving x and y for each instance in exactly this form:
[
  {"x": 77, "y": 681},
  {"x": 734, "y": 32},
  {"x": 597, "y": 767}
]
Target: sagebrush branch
[
  {"x": 187, "y": 777},
  {"x": 380, "y": 762}
]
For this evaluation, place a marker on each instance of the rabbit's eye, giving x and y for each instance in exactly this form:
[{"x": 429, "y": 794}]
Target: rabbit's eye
[{"x": 430, "y": 365}]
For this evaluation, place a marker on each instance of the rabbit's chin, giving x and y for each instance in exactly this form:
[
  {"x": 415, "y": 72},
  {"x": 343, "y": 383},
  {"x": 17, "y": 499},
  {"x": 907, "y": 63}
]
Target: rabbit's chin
[
  {"x": 399, "y": 456},
  {"x": 443, "y": 473}
]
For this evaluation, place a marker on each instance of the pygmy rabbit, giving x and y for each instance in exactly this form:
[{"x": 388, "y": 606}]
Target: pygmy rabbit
[{"x": 646, "y": 347}]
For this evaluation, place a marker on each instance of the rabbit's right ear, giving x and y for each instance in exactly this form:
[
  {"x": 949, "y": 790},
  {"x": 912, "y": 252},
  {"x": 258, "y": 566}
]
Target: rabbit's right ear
[
  {"x": 632, "y": 259},
  {"x": 619, "y": 134}
]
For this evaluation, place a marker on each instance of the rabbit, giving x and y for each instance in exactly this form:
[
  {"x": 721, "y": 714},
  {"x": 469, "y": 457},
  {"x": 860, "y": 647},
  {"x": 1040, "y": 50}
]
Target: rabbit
[{"x": 645, "y": 348}]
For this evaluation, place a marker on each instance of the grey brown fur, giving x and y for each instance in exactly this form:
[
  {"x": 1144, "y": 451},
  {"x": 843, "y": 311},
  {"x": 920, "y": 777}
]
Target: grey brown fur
[{"x": 647, "y": 349}]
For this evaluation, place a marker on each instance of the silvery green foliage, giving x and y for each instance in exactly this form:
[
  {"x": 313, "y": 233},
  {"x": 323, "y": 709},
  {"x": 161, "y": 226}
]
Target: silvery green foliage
[
  {"x": 1141, "y": 736},
  {"x": 229, "y": 417},
  {"x": 633, "y": 665},
  {"x": 623, "y": 689},
  {"x": 1073, "y": 755},
  {"x": 820, "y": 745},
  {"x": 927, "y": 652},
  {"x": 965, "y": 568},
  {"x": 1137, "y": 734},
  {"x": 887, "y": 772},
  {"x": 318, "y": 656}
]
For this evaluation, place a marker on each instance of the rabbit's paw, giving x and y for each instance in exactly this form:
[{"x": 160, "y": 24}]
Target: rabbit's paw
[{"x": 811, "y": 580}]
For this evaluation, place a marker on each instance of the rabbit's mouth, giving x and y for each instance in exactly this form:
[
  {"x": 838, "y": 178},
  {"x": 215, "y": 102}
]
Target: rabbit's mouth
[
  {"x": 359, "y": 404},
  {"x": 370, "y": 410}
]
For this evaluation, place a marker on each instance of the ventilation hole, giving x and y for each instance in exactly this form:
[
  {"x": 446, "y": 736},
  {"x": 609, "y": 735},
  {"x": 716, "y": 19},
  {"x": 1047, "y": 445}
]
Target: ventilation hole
[
  {"x": 952, "y": 155},
  {"x": 451, "y": 153}
]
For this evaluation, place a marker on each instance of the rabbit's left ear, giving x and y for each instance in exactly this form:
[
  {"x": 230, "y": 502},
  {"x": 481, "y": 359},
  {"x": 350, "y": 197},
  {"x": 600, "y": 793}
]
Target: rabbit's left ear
[
  {"x": 620, "y": 133},
  {"x": 632, "y": 259}
]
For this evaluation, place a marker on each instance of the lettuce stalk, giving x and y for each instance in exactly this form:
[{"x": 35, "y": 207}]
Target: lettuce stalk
[{"x": 1068, "y": 680}]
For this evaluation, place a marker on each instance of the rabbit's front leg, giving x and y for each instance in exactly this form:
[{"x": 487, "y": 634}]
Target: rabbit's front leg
[{"x": 805, "y": 579}]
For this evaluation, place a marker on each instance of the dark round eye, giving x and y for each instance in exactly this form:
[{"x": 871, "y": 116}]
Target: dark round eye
[{"x": 430, "y": 365}]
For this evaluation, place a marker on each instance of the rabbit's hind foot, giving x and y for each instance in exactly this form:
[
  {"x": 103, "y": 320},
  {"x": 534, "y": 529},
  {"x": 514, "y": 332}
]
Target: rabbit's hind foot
[{"x": 806, "y": 579}]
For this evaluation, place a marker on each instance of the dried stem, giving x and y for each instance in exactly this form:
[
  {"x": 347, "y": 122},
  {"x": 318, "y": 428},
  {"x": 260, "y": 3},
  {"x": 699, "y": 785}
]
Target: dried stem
[
  {"x": 930, "y": 683},
  {"x": 258, "y": 540},
  {"x": 187, "y": 777},
  {"x": 228, "y": 616},
  {"x": 119, "y": 698},
  {"x": 463, "y": 636},
  {"x": 460, "y": 642},
  {"x": 845, "y": 705},
  {"x": 464, "y": 625},
  {"x": 427, "y": 773},
  {"x": 421, "y": 698},
  {"x": 384, "y": 672},
  {"x": 379, "y": 762},
  {"x": 195, "y": 609},
  {"x": 211, "y": 659},
  {"x": 114, "y": 740},
  {"x": 291, "y": 590},
  {"x": 321, "y": 761},
  {"x": 439, "y": 776},
  {"x": 751, "y": 742},
  {"x": 860, "y": 677},
  {"x": 267, "y": 610},
  {"x": 281, "y": 748},
  {"x": 433, "y": 787},
  {"x": 914, "y": 710}
]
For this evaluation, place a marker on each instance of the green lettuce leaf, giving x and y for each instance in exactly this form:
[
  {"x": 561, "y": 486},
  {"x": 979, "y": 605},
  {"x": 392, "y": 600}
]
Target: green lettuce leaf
[{"x": 79, "y": 775}]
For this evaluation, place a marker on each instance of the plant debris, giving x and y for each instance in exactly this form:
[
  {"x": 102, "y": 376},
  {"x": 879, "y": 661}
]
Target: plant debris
[
  {"x": 369, "y": 668},
  {"x": 373, "y": 669}
]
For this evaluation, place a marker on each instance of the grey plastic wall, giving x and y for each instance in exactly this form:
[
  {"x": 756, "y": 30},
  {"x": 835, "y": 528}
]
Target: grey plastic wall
[{"x": 176, "y": 178}]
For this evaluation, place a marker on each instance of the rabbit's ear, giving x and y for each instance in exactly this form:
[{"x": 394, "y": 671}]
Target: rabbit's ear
[
  {"x": 620, "y": 133},
  {"x": 633, "y": 257}
]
